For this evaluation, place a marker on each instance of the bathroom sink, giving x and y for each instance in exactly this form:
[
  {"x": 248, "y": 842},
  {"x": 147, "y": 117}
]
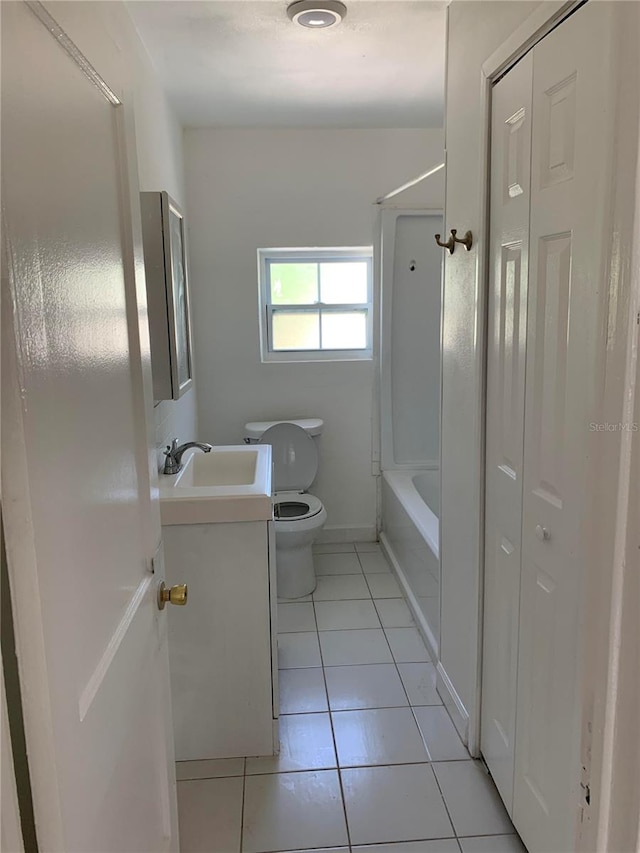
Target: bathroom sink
[
  {"x": 231, "y": 483},
  {"x": 221, "y": 467}
]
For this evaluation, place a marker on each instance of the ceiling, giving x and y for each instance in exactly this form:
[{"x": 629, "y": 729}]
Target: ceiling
[{"x": 243, "y": 63}]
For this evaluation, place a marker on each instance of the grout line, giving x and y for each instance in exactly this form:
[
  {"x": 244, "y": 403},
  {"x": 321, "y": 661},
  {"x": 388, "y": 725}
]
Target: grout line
[
  {"x": 370, "y": 663},
  {"x": 337, "y": 766},
  {"x": 333, "y": 737},
  {"x": 444, "y": 801},
  {"x": 244, "y": 788},
  {"x": 374, "y": 844},
  {"x": 378, "y": 627},
  {"x": 208, "y": 778}
]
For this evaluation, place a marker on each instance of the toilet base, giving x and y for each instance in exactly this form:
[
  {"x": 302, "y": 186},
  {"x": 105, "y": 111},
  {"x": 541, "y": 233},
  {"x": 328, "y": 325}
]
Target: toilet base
[{"x": 295, "y": 571}]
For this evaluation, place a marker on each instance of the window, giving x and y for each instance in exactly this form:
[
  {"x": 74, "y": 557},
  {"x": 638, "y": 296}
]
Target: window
[{"x": 315, "y": 304}]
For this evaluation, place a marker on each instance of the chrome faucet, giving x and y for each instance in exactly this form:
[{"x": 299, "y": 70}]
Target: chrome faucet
[{"x": 173, "y": 462}]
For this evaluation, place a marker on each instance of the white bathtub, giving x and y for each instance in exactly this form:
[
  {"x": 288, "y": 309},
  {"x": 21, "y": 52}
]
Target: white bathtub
[{"x": 410, "y": 535}]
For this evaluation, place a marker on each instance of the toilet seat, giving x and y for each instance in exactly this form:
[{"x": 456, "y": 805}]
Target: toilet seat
[{"x": 301, "y": 506}]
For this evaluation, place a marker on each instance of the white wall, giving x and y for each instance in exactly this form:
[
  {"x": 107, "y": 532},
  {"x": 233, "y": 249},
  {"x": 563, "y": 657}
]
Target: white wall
[
  {"x": 105, "y": 32},
  {"x": 248, "y": 189},
  {"x": 476, "y": 30}
]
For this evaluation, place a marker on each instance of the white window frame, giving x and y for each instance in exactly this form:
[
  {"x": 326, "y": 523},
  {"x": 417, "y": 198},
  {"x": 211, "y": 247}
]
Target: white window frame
[{"x": 267, "y": 310}]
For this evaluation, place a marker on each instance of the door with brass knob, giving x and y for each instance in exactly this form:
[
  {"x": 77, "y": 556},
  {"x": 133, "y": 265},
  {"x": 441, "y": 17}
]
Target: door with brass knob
[{"x": 176, "y": 594}]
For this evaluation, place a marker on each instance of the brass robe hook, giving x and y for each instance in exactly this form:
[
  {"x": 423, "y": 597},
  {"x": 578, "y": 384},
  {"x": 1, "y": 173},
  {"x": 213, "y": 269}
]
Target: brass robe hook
[
  {"x": 450, "y": 244},
  {"x": 467, "y": 240}
]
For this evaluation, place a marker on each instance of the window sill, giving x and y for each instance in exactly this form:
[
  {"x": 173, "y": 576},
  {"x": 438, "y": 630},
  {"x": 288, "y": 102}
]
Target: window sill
[{"x": 317, "y": 357}]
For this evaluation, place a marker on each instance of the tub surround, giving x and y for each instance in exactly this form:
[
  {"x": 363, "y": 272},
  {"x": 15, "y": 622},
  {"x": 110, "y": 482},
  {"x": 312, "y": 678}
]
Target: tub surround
[{"x": 411, "y": 541}]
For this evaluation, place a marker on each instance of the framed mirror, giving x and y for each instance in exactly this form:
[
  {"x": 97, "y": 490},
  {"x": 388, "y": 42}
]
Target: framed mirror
[{"x": 167, "y": 295}]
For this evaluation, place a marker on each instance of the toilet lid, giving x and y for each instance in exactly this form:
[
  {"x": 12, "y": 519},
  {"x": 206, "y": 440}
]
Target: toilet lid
[{"x": 295, "y": 457}]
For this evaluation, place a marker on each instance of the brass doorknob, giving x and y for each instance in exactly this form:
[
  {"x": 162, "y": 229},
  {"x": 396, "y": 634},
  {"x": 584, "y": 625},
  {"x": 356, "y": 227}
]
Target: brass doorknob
[{"x": 177, "y": 594}]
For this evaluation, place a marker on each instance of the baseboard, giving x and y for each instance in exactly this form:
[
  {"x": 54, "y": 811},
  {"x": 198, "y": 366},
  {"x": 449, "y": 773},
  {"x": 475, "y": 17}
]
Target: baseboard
[
  {"x": 414, "y": 607},
  {"x": 453, "y": 703},
  {"x": 332, "y": 534}
]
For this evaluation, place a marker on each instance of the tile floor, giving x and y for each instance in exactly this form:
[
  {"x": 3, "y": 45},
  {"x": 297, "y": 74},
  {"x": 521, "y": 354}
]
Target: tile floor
[{"x": 369, "y": 759}]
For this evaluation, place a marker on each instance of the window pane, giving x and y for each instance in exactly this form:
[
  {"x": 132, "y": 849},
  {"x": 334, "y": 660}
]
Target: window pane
[
  {"x": 344, "y": 331},
  {"x": 343, "y": 283},
  {"x": 295, "y": 330},
  {"x": 293, "y": 284}
]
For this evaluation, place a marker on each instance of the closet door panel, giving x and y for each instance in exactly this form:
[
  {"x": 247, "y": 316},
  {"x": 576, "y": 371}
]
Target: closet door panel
[
  {"x": 510, "y": 189},
  {"x": 571, "y": 126}
]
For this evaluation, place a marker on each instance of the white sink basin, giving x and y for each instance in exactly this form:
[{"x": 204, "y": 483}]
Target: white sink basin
[
  {"x": 231, "y": 483},
  {"x": 221, "y": 467}
]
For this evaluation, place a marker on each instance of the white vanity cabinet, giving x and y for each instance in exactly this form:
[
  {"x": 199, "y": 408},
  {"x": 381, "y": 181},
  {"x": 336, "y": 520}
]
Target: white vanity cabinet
[{"x": 221, "y": 645}]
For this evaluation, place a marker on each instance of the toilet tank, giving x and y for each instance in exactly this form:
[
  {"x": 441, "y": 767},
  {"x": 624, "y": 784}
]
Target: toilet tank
[{"x": 254, "y": 430}]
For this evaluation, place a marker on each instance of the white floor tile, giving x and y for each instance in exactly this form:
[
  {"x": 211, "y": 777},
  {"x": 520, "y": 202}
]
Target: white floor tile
[
  {"x": 384, "y": 586},
  {"x": 374, "y": 564},
  {"x": 340, "y": 648},
  {"x": 419, "y": 680},
  {"x": 381, "y": 736},
  {"x": 210, "y": 815},
  {"x": 492, "y": 844},
  {"x": 333, "y": 548},
  {"x": 337, "y": 564},
  {"x": 440, "y": 735},
  {"x": 341, "y": 587},
  {"x": 306, "y": 743},
  {"x": 298, "y": 650},
  {"x": 355, "y": 687},
  {"x": 302, "y": 691},
  {"x": 346, "y": 615},
  {"x": 295, "y": 618},
  {"x": 472, "y": 799},
  {"x": 399, "y": 803},
  {"x": 440, "y": 845},
  {"x": 394, "y": 613},
  {"x": 407, "y": 645},
  {"x": 295, "y": 600},
  {"x": 209, "y": 769},
  {"x": 288, "y": 811},
  {"x": 368, "y": 547}
]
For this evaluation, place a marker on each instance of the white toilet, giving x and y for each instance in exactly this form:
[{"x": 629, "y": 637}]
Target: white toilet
[{"x": 299, "y": 516}]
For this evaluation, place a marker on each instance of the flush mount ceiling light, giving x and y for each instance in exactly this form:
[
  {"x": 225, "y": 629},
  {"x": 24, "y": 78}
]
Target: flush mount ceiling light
[{"x": 317, "y": 14}]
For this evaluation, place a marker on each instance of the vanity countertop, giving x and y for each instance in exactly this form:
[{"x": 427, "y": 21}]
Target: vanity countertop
[{"x": 232, "y": 483}]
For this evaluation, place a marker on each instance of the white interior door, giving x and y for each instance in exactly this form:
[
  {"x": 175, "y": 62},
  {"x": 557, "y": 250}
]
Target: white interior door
[
  {"x": 506, "y": 354},
  {"x": 81, "y": 526},
  {"x": 572, "y": 98}
]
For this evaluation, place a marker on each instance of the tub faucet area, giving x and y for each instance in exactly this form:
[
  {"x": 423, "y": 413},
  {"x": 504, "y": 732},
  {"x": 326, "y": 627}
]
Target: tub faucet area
[{"x": 173, "y": 453}]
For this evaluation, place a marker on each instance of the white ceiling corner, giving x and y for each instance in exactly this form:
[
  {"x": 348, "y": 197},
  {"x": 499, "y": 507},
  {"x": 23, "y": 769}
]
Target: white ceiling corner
[{"x": 242, "y": 63}]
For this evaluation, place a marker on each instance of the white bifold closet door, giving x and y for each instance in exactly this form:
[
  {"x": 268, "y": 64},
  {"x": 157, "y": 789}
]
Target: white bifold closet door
[
  {"x": 507, "y": 337},
  {"x": 538, "y": 423}
]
